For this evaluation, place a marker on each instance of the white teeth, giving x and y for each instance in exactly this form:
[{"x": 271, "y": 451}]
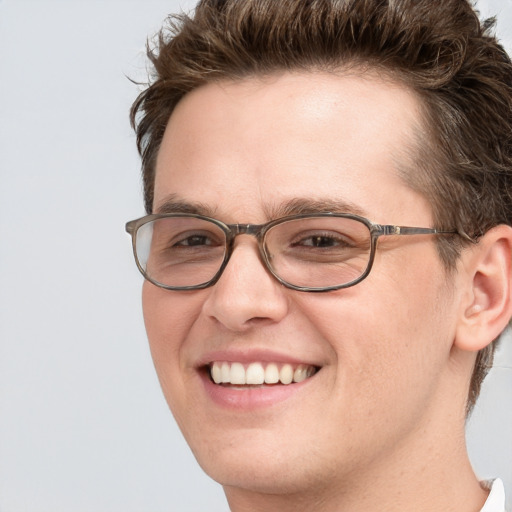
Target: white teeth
[
  {"x": 271, "y": 374},
  {"x": 237, "y": 373},
  {"x": 286, "y": 374},
  {"x": 216, "y": 374},
  {"x": 300, "y": 373},
  {"x": 224, "y": 373},
  {"x": 257, "y": 374}
]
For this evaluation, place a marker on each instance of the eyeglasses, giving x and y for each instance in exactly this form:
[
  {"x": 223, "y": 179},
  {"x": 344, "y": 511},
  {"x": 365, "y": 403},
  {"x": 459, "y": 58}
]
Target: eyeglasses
[{"x": 311, "y": 252}]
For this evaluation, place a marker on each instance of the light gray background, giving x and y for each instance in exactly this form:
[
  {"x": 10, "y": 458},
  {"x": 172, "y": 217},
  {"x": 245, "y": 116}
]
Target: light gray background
[{"x": 83, "y": 424}]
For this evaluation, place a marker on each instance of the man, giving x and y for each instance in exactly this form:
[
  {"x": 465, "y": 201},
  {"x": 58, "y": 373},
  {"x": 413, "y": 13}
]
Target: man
[{"x": 327, "y": 250}]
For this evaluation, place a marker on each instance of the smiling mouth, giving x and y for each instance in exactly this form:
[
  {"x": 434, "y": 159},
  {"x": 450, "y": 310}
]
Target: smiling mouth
[{"x": 257, "y": 374}]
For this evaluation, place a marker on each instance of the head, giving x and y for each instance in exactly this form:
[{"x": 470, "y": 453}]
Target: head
[
  {"x": 439, "y": 50},
  {"x": 401, "y": 109}
]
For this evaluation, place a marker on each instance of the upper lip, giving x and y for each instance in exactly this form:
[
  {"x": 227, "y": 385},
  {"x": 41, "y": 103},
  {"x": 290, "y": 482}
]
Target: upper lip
[{"x": 252, "y": 355}]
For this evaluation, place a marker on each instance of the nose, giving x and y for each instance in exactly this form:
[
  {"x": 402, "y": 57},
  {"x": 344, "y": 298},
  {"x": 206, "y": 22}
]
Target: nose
[{"x": 246, "y": 294}]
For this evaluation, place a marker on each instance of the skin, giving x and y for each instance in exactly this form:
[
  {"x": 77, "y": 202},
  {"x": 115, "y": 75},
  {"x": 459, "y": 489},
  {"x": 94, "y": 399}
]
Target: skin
[{"x": 381, "y": 425}]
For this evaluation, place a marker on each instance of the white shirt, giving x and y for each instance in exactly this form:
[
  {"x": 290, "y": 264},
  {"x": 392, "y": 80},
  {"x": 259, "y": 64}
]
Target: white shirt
[{"x": 496, "y": 499}]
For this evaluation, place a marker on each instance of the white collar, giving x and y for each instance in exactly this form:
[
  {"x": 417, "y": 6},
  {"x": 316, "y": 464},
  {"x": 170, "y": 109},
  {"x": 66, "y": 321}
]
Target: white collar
[{"x": 496, "y": 499}]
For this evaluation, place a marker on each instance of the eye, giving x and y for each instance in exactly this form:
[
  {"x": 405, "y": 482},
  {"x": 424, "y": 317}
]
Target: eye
[
  {"x": 196, "y": 240},
  {"x": 321, "y": 240}
]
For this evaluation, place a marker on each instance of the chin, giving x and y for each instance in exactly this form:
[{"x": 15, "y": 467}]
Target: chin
[
  {"x": 266, "y": 478},
  {"x": 261, "y": 467}
]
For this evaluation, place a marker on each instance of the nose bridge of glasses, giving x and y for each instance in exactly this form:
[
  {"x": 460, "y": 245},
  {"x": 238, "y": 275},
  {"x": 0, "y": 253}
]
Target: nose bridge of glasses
[
  {"x": 254, "y": 230},
  {"x": 246, "y": 229}
]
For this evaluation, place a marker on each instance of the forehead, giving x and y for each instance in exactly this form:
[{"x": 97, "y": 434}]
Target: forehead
[{"x": 248, "y": 146}]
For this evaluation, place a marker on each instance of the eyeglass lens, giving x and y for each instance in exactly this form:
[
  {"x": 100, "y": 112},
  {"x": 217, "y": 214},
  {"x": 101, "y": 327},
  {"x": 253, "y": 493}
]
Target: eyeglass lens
[{"x": 313, "y": 252}]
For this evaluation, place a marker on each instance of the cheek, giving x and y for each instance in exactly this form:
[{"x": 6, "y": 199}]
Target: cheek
[
  {"x": 388, "y": 343},
  {"x": 168, "y": 317}
]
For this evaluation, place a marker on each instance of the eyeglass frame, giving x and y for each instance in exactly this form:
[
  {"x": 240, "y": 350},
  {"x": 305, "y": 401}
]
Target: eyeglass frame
[{"x": 259, "y": 230}]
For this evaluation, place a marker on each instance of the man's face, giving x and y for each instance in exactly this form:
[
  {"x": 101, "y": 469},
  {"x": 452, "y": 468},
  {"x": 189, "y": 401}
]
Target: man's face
[{"x": 243, "y": 151}]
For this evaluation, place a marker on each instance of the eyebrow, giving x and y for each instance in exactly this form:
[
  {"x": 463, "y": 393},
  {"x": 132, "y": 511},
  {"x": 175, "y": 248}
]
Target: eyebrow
[
  {"x": 303, "y": 205},
  {"x": 174, "y": 204},
  {"x": 297, "y": 206}
]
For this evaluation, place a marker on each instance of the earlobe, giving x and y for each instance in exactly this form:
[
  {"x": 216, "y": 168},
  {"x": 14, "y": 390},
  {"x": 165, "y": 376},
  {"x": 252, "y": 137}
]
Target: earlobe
[{"x": 488, "y": 306}]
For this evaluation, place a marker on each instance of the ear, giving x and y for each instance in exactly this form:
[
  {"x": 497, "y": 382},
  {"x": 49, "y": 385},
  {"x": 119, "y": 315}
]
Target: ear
[{"x": 487, "y": 306}]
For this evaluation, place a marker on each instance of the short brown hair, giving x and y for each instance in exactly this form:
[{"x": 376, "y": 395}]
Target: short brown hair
[{"x": 438, "y": 48}]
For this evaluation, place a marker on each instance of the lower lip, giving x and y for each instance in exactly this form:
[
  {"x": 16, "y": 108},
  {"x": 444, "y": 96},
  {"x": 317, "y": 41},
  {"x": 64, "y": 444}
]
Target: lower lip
[{"x": 251, "y": 398}]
